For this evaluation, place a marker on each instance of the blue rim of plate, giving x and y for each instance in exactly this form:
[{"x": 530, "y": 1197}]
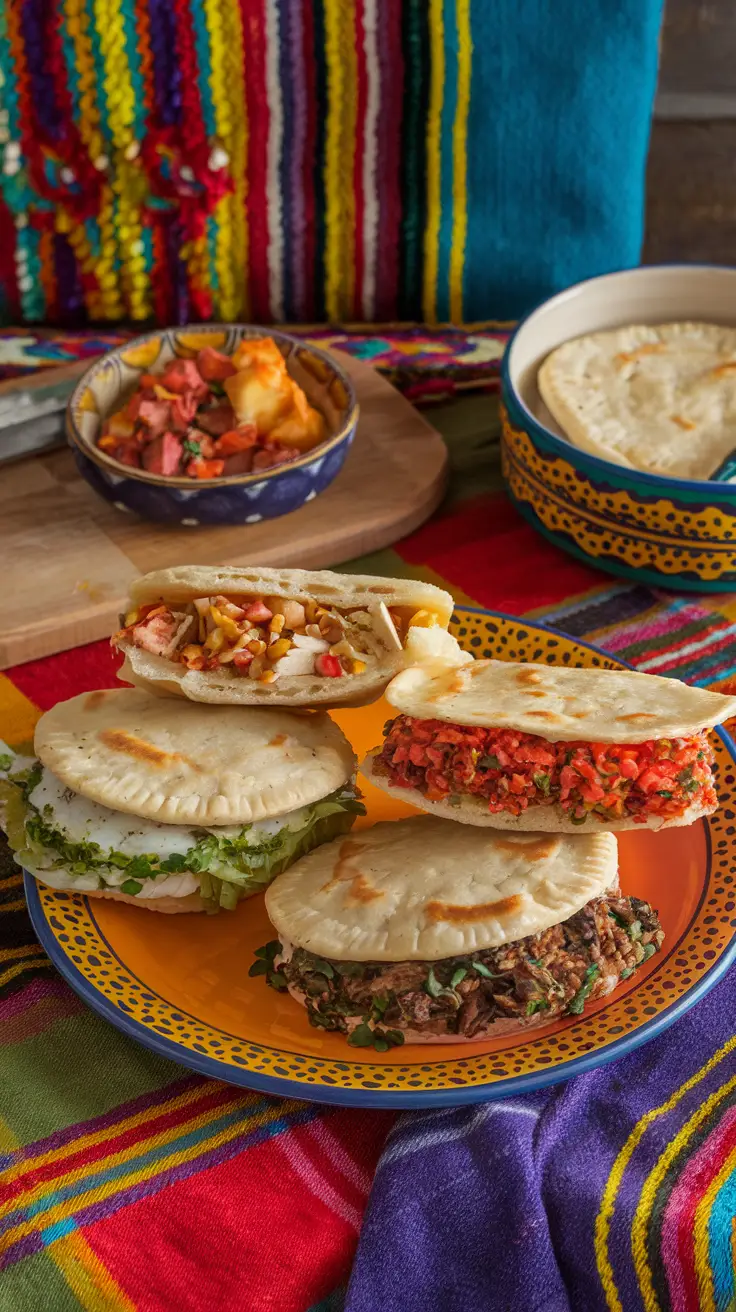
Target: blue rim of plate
[{"x": 419, "y": 1100}]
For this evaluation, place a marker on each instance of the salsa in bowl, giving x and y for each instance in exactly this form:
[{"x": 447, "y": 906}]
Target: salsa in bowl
[{"x": 213, "y": 424}]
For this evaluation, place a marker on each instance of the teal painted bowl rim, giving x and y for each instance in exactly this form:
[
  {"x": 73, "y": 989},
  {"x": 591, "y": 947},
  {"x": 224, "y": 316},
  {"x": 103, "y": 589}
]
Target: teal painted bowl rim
[
  {"x": 667, "y": 487},
  {"x": 100, "y": 458}
]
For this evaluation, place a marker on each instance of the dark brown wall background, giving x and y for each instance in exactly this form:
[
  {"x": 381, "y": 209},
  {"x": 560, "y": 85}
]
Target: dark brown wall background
[{"x": 691, "y": 179}]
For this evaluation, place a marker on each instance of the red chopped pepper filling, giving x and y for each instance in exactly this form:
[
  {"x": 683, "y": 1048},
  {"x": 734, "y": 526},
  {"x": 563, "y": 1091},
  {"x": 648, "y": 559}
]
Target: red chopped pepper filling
[{"x": 514, "y": 770}]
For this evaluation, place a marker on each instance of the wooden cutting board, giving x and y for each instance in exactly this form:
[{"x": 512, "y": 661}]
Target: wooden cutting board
[{"x": 68, "y": 557}]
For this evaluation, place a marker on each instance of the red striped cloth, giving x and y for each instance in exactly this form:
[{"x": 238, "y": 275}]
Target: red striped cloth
[{"x": 126, "y": 1184}]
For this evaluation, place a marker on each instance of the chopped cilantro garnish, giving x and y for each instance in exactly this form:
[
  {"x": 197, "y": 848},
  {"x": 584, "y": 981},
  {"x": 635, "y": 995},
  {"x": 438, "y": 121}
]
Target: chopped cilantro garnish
[
  {"x": 576, "y": 1004},
  {"x": 538, "y": 1004}
]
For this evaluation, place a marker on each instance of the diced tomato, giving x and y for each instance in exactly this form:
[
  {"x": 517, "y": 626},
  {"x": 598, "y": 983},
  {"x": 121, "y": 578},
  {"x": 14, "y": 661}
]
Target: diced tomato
[
  {"x": 127, "y": 455},
  {"x": 328, "y": 666},
  {"x": 213, "y": 365},
  {"x": 199, "y": 468},
  {"x": 163, "y": 455},
  {"x": 242, "y": 659},
  {"x": 236, "y": 440},
  {"x": 514, "y": 770},
  {"x": 183, "y": 376},
  {"x": 258, "y": 613}
]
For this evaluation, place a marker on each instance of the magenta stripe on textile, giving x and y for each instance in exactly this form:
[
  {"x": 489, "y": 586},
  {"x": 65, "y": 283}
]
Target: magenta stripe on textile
[
  {"x": 300, "y": 307},
  {"x": 687, "y": 1185},
  {"x": 154, "y": 1098},
  {"x": 662, "y": 627},
  {"x": 391, "y": 93},
  {"x": 17, "y": 1003},
  {"x": 168, "y": 1176}
]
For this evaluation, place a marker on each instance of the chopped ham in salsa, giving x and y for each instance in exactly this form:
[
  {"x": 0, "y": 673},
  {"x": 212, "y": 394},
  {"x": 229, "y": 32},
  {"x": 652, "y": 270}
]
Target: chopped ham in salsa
[
  {"x": 215, "y": 416},
  {"x": 513, "y": 770}
]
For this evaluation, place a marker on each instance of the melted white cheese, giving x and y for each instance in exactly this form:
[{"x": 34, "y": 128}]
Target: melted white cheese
[
  {"x": 84, "y": 821},
  {"x": 179, "y": 885}
]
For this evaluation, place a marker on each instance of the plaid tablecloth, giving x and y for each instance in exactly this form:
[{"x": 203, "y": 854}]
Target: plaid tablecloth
[{"x": 128, "y": 1184}]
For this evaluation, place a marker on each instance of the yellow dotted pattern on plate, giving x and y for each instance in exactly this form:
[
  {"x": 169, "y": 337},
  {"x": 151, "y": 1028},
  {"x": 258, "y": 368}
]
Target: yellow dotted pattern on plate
[
  {"x": 69, "y": 918},
  {"x": 670, "y": 537}
]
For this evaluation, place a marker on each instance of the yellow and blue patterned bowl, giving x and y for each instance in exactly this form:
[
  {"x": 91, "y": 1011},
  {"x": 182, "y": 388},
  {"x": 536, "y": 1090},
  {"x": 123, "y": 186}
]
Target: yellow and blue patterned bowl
[
  {"x": 670, "y": 532},
  {"x": 240, "y": 498}
]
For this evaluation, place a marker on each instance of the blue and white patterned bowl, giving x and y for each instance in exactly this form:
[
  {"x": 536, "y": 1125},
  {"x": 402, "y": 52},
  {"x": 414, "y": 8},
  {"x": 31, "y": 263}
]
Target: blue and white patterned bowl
[{"x": 240, "y": 498}]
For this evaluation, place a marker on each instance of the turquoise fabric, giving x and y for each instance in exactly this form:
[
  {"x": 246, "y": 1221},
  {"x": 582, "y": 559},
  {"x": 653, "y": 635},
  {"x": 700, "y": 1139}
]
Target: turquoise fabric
[{"x": 558, "y": 133}]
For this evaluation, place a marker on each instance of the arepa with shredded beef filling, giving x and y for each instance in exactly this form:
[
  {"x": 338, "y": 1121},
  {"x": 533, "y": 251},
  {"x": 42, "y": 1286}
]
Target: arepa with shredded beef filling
[
  {"x": 173, "y": 806},
  {"x": 544, "y": 747},
  {"x": 420, "y": 930},
  {"x": 279, "y": 637}
]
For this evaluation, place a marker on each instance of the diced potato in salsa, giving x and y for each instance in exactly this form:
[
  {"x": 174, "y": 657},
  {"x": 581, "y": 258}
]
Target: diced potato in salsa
[{"x": 215, "y": 416}]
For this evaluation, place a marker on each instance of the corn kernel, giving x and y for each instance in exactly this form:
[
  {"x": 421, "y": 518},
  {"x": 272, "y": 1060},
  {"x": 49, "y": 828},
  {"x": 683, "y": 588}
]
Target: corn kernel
[
  {"x": 268, "y": 677},
  {"x": 256, "y": 647},
  {"x": 423, "y": 619},
  {"x": 131, "y": 617},
  {"x": 192, "y": 654},
  {"x": 215, "y": 640},
  {"x": 278, "y": 649},
  {"x": 276, "y": 624},
  {"x": 356, "y": 667},
  {"x": 224, "y": 622}
]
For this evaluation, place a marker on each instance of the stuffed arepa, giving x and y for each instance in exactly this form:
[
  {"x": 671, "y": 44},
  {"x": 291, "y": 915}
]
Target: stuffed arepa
[
  {"x": 546, "y": 747},
  {"x": 421, "y": 930},
  {"x": 174, "y": 806}
]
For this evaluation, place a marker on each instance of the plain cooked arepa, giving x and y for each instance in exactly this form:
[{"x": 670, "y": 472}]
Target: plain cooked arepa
[
  {"x": 655, "y": 397},
  {"x": 559, "y": 703},
  {"x": 181, "y": 763},
  {"x": 427, "y": 889}
]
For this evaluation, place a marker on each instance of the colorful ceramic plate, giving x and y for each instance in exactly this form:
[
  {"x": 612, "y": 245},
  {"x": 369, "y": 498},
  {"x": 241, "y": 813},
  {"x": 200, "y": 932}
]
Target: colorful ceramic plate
[{"x": 180, "y": 985}]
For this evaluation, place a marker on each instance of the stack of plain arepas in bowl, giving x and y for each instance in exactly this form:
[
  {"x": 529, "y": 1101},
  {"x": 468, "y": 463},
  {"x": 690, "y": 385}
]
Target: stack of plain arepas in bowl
[{"x": 220, "y": 774}]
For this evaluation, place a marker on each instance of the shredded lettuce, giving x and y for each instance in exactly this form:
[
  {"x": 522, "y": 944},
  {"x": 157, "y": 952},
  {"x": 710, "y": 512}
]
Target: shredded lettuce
[{"x": 229, "y": 867}]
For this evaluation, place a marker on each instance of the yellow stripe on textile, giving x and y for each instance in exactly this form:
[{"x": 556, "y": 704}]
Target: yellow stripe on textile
[
  {"x": 226, "y": 103},
  {"x": 239, "y": 161},
  {"x": 66, "y": 1209},
  {"x": 127, "y": 234},
  {"x": 337, "y": 179},
  {"x": 701, "y": 1237},
  {"x": 30, "y": 950},
  {"x": 434, "y": 159},
  {"x": 137, "y": 1119},
  {"x": 608, "y": 1200},
  {"x": 643, "y": 1213},
  {"x": 460, "y": 159},
  {"x": 109, "y": 303},
  {"x": 146, "y": 1143},
  {"x": 88, "y": 1277},
  {"x": 14, "y": 971}
]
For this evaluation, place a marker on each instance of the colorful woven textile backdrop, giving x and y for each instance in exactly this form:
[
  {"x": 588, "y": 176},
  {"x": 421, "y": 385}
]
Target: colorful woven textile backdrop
[{"x": 317, "y": 160}]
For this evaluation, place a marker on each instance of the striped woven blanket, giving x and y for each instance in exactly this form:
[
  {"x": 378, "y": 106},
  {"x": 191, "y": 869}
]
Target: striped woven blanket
[
  {"x": 317, "y": 160},
  {"x": 126, "y": 1184}
]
